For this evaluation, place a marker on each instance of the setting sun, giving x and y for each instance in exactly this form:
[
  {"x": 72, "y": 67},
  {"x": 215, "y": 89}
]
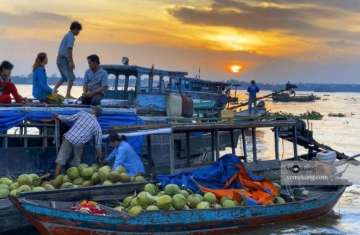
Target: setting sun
[{"x": 235, "y": 68}]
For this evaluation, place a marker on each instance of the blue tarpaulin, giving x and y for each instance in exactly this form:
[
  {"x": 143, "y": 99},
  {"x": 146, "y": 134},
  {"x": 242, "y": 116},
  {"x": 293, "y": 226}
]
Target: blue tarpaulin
[
  {"x": 12, "y": 117},
  {"x": 213, "y": 176}
]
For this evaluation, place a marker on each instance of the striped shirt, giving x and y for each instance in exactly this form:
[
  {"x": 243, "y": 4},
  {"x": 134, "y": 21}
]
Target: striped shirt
[{"x": 85, "y": 127}]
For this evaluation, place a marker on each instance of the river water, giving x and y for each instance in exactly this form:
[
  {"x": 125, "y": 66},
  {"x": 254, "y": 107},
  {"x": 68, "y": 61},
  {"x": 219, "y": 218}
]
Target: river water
[{"x": 343, "y": 134}]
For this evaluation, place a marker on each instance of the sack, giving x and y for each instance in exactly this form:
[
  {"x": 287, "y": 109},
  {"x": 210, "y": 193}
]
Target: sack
[{"x": 54, "y": 99}]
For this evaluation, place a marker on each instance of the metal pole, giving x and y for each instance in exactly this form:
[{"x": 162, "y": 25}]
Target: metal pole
[
  {"x": 212, "y": 145},
  {"x": 187, "y": 139},
  {"x": 253, "y": 135},
  {"x": 217, "y": 146},
  {"x": 276, "y": 137},
  {"x": 295, "y": 143},
  {"x": 57, "y": 135},
  {"x": 172, "y": 154},
  {"x": 243, "y": 140},
  {"x": 232, "y": 139}
]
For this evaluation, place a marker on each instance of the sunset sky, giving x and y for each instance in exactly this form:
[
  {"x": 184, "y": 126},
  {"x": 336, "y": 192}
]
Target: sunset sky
[{"x": 270, "y": 41}]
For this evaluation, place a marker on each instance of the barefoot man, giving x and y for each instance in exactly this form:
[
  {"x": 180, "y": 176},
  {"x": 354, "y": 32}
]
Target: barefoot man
[{"x": 65, "y": 61}]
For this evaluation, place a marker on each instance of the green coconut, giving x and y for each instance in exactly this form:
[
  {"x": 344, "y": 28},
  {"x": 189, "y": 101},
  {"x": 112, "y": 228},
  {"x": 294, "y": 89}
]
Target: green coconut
[
  {"x": 66, "y": 179},
  {"x": 86, "y": 183},
  {"x": 120, "y": 208},
  {"x": 4, "y": 193},
  {"x": 67, "y": 185},
  {"x": 104, "y": 173},
  {"x": 127, "y": 200},
  {"x": 107, "y": 183},
  {"x": 124, "y": 177},
  {"x": 210, "y": 197},
  {"x": 121, "y": 169},
  {"x": 13, "y": 193},
  {"x": 152, "y": 208},
  {"x": 58, "y": 181},
  {"x": 164, "y": 202},
  {"x": 95, "y": 167},
  {"x": 193, "y": 200},
  {"x": 139, "y": 179},
  {"x": 14, "y": 185},
  {"x": 38, "y": 189},
  {"x": 48, "y": 186},
  {"x": 36, "y": 180},
  {"x": 82, "y": 166},
  {"x": 217, "y": 206},
  {"x": 73, "y": 173},
  {"x": 86, "y": 173},
  {"x": 145, "y": 199},
  {"x": 161, "y": 193},
  {"x": 4, "y": 186},
  {"x": 24, "y": 179},
  {"x": 134, "y": 202},
  {"x": 229, "y": 203},
  {"x": 136, "y": 210},
  {"x": 179, "y": 201},
  {"x": 279, "y": 200},
  {"x": 151, "y": 188},
  {"x": 171, "y": 189},
  {"x": 203, "y": 205},
  {"x": 114, "y": 176},
  {"x": 78, "y": 181},
  {"x": 223, "y": 199},
  {"x": 23, "y": 189},
  {"x": 184, "y": 193},
  {"x": 95, "y": 179},
  {"x": 6, "y": 180}
]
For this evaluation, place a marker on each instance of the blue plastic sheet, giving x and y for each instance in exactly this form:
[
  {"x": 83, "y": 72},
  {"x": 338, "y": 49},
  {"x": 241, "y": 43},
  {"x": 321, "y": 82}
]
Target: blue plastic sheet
[{"x": 213, "y": 176}]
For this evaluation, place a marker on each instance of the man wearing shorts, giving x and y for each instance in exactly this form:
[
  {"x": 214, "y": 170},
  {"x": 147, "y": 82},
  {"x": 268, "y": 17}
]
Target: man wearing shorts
[
  {"x": 85, "y": 127},
  {"x": 65, "y": 61}
]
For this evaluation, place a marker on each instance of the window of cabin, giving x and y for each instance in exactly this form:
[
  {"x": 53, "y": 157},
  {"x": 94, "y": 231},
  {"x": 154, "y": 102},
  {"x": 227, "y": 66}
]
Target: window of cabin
[
  {"x": 166, "y": 82},
  {"x": 156, "y": 84},
  {"x": 144, "y": 83},
  {"x": 121, "y": 84},
  {"x": 111, "y": 81},
  {"x": 132, "y": 83}
]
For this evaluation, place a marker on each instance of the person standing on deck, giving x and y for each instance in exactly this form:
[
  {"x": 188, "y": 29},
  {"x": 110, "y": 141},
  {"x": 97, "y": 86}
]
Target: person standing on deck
[
  {"x": 7, "y": 88},
  {"x": 82, "y": 131},
  {"x": 96, "y": 82},
  {"x": 124, "y": 155},
  {"x": 253, "y": 89},
  {"x": 65, "y": 61}
]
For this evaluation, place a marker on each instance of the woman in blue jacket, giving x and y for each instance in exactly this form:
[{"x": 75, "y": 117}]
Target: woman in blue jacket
[{"x": 41, "y": 89}]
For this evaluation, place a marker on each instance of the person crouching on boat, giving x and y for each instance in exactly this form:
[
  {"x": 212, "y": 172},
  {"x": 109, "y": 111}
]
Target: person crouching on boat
[
  {"x": 253, "y": 89},
  {"x": 96, "y": 82},
  {"x": 124, "y": 155},
  {"x": 41, "y": 89},
  {"x": 82, "y": 131},
  {"x": 7, "y": 88}
]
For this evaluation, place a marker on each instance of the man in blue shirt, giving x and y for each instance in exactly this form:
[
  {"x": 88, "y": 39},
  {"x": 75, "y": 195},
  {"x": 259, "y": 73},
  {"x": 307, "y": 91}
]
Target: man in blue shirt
[
  {"x": 96, "y": 82},
  {"x": 252, "y": 90},
  {"x": 65, "y": 61},
  {"x": 124, "y": 155}
]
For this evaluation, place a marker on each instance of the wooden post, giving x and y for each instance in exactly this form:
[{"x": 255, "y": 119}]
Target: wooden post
[
  {"x": 254, "y": 149},
  {"x": 116, "y": 82},
  {"x": 187, "y": 139},
  {"x": 213, "y": 145},
  {"x": 295, "y": 142},
  {"x": 57, "y": 135},
  {"x": 26, "y": 138},
  {"x": 148, "y": 142},
  {"x": 217, "y": 146},
  {"x": 232, "y": 139},
  {"x": 276, "y": 139},
  {"x": 126, "y": 85},
  {"x": 243, "y": 140},
  {"x": 172, "y": 154}
]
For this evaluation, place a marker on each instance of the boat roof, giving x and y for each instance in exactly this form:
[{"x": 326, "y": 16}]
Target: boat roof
[{"x": 135, "y": 69}]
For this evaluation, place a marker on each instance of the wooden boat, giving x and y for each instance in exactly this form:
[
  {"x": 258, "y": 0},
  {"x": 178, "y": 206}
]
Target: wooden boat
[
  {"x": 56, "y": 218},
  {"x": 11, "y": 219},
  {"x": 285, "y": 97}
]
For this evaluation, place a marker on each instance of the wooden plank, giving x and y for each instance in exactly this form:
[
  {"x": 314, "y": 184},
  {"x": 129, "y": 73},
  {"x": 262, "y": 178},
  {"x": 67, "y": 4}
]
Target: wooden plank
[
  {"x": 276, "y": 139},
  {"x": 254, "y": 149},
  {"x": 243, "y": 140}
]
